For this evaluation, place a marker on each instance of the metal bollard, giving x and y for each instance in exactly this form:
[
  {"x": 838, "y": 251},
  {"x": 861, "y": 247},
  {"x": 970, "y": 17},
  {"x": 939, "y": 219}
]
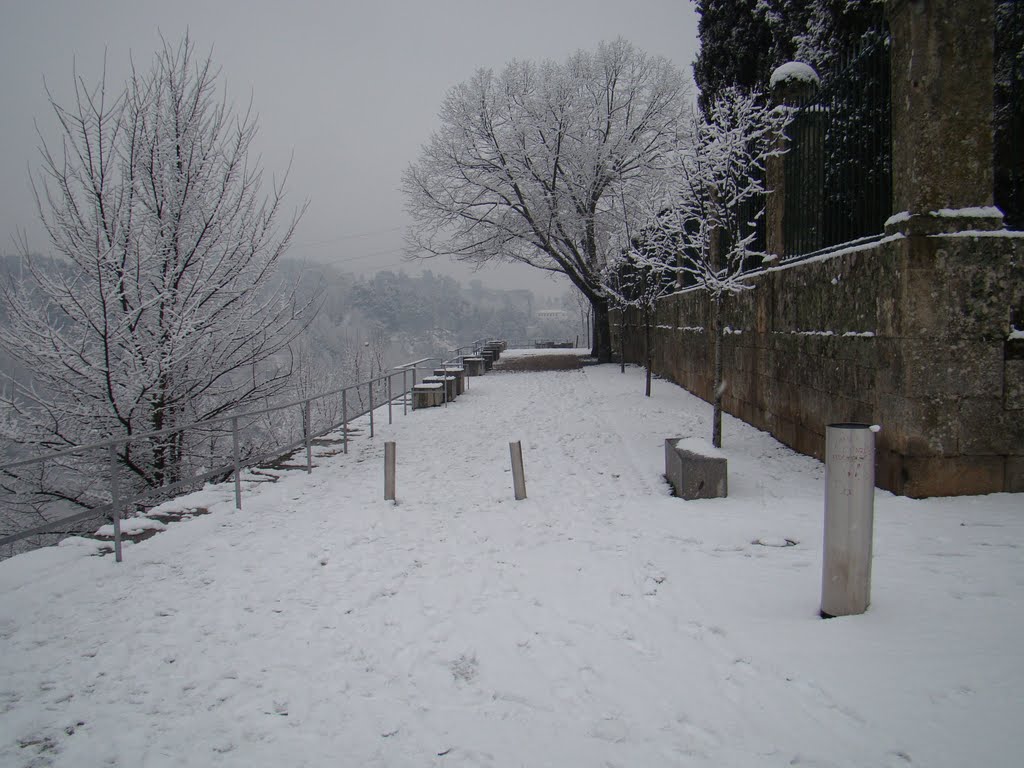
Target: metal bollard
[
  {"x": 849, "y": 519},
  {"x": 518, "y": 475}
]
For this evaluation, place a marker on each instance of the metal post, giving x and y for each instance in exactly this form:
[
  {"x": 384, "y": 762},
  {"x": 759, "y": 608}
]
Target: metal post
[
  {"x": 389, "y": 398},
  {"x": 405, "y": 394},
  {"x": 518, "y": 475},
  {"x": 115, "y": 501},
  {"x": 849, "y": 519},
  {"x": 371, "y": 407},
  {"x": 307, "y": 429},
  {"x": 238, "y": 462},
  {"x": 389, "y": 471},
  {"x": 344, "y": 418}
]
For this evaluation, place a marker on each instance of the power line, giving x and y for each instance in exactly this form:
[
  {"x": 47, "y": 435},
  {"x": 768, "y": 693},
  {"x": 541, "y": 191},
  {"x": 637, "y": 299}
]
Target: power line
[{"x": 351, "y": 236}]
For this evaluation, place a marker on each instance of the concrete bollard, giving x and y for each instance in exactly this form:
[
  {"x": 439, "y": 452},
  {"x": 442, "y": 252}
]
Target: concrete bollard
[
  {"x": 518, "y": 475},
  {"x": 849, "y": 519},
  {"x": 389, "y": 471}
]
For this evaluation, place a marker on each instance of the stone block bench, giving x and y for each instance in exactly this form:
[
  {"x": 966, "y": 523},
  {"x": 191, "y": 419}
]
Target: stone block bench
[
  {"x": 474, "y": 366},
  {"x": 448, "y": 382},
  {"x": 458, "y": 373},
  {"x": 427, "y": 395},
  {"x": 695, "y": 469}
]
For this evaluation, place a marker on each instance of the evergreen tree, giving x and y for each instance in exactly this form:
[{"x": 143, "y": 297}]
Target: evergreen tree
[{"x": 743, "y": 41}]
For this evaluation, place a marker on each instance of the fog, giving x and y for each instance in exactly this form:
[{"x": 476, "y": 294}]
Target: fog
[{"x": 346, "y": 93}]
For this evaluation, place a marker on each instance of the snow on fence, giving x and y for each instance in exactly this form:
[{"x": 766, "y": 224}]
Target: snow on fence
[{"x": 31, "y": 519}]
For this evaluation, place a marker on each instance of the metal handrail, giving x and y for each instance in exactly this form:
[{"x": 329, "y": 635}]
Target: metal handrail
[{"x": 112, "y": 510}]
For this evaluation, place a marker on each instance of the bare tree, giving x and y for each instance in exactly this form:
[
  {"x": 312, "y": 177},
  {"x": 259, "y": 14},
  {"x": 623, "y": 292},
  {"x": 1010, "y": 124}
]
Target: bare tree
[
  {"x": 704, "y": 229},
  {"x": 161, "y": 306},
  {"x": 546, "y": 164}
]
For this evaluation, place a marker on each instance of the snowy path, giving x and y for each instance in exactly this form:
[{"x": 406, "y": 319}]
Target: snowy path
[{"x": 597, "y": 623}]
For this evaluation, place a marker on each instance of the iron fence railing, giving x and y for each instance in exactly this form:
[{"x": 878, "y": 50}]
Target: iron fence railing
[
  {"x": 1008, "y": 115},
  {"x": 839, "y": 165},
  {"x": 35, "y": 520}
]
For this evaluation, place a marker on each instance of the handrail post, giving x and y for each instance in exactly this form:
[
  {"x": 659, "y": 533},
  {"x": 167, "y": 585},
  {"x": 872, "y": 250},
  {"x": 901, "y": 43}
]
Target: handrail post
[
  {"x": 344, "y": 418},
  {"x": 238, "y": 462},
  {"x": 389, "y": 398},
  {"x": 307, "y": 428},
  {"x": 405, "y": 394},
  {"x": 370, "y": 387},
  {"x": 115, "y": 501}
]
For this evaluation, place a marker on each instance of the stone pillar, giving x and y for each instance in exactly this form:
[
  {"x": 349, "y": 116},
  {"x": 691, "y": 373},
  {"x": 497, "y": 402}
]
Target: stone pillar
[
  {"x": 942, "y": 54},
  {"x": 793, "y": 85}
]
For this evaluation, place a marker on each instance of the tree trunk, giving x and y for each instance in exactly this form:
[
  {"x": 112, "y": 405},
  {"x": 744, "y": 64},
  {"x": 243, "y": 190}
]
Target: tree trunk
[
  {"x": 716, "y": 417},
  {"x": 602, "y": 348},
  {"x": 622, "y": 340},
  {"x": 647, "y": 349}
]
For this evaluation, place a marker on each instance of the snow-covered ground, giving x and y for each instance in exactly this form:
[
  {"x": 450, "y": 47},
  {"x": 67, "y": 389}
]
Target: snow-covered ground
[{"x": 600, "y": 622}]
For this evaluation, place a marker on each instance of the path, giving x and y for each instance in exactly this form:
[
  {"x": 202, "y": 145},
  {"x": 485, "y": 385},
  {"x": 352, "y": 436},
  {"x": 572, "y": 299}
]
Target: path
[{"x": 597, "y": 623}]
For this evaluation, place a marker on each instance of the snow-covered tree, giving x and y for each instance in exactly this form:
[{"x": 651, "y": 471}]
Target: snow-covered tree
[
  {"x": 637, "y": 279},
  {"x": 161, "y": 306},
  {"x": 833, "y": 29},
  {"x": 704, "y": 230},
  {"x": 545, "y": 164}
]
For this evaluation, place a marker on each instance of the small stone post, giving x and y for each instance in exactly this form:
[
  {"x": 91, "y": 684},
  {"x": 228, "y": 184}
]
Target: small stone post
[
  {"x": 794, "y": 85},
  {"x": 389, "y": 471},
  {"x": 518, "y": 475}
]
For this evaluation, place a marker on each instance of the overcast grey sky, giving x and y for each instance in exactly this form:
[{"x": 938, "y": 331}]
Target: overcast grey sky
[{"x": 350, "y": 90}]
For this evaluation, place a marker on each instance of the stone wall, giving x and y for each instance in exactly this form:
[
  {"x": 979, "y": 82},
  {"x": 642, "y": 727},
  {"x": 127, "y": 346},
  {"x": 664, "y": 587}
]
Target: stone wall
[{"x": 911, "y": 333}]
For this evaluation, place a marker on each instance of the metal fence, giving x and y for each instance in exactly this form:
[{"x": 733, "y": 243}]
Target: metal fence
[
  {"x": 839, "y": 164},
  {"x": 1008, "y": 114},
  {"x": 235, "y": 442}
]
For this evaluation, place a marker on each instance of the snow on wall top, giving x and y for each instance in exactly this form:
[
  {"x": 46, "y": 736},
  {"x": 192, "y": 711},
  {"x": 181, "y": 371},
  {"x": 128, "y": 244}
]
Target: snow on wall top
[{"x": 794, "y": 70}]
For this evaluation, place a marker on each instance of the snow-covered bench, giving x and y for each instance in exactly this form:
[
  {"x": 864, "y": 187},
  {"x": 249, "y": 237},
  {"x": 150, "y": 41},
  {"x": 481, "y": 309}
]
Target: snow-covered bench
[
  {"x": 695, "y": 469},
  {"x": 427, "y": 395}
]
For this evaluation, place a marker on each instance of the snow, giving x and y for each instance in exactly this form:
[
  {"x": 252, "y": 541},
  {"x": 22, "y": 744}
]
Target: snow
[
  {"x": 897, "y": 218},
  {"x": 986, "y": 212},
  {"x": 132, "y": 525},
  {"x": 1016, "y": 333},
  {"x": 794, "y": 70},
  {"x": 977, "y": 212},
  {"x": 701, "y": 447},
  {"x": 598, "y": 622},
  {"x": 856, "y": 247}
]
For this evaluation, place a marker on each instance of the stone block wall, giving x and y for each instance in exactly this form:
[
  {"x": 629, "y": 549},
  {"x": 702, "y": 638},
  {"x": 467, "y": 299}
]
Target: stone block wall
[{"x": 911, "y": 333}]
